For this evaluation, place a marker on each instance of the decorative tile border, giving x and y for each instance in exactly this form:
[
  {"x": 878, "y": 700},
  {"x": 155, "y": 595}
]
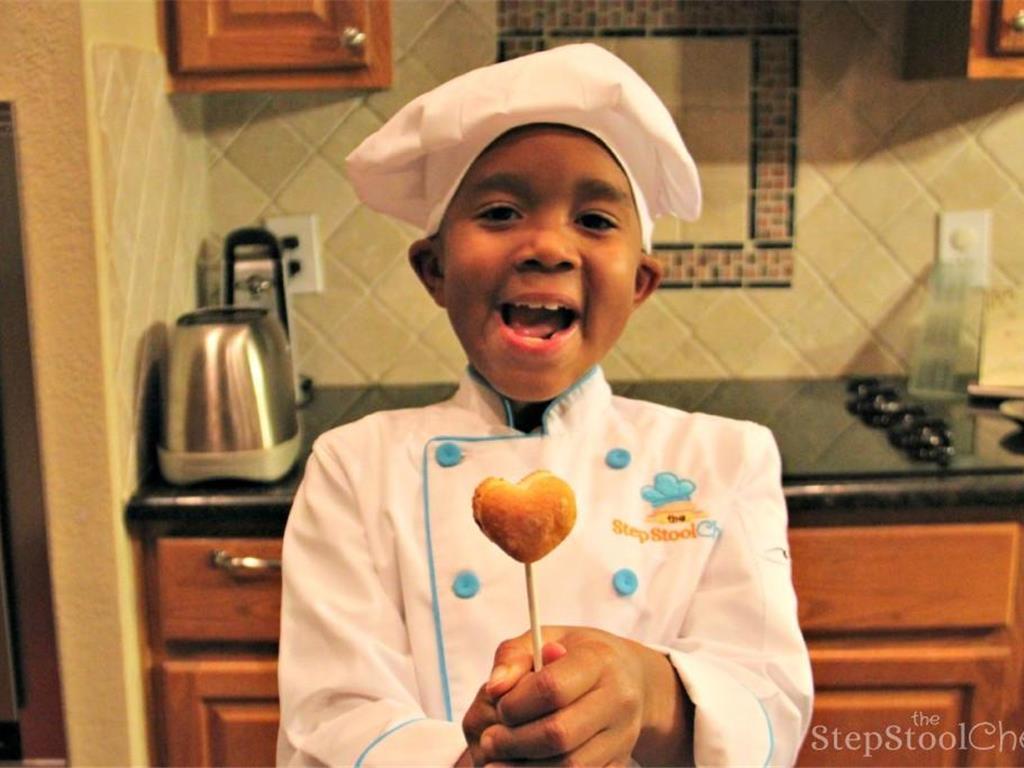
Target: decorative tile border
[{"x": 765, "y": 258}]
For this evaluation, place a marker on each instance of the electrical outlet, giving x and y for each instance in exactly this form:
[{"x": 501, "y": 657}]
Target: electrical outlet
[
  {"x": 306, "y": 230},
  {"x": 966, "y": 236}
]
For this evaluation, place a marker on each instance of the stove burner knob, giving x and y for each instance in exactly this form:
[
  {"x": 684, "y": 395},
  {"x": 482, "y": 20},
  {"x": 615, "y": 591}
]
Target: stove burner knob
[{"x": 861, "y": 385}]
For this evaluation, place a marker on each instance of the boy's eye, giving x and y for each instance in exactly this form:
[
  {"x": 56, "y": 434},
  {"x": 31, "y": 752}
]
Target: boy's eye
[
  {"x": 597, "y": 221},
  {"x": 498, "y": 213}
]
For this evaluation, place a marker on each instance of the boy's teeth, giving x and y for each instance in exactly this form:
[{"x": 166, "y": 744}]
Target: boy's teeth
[
  {"x": 538, "y": 320},
  {"x": 552, "y": 307}
]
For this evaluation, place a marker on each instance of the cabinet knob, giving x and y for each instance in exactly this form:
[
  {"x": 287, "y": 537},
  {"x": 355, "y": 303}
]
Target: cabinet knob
[
  {"x": 245, "y": 565},
  {"x": 353, "y": 38},
  {"x": 1017, "y": 22}
]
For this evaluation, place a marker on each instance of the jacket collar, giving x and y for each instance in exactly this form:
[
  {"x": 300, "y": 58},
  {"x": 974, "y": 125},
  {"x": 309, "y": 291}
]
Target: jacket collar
[{"x": 578, "y": 404}]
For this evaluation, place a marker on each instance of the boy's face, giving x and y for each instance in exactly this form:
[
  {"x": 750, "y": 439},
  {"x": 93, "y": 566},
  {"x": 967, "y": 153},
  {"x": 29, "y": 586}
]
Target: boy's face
[{"x": 538, "y": 260}]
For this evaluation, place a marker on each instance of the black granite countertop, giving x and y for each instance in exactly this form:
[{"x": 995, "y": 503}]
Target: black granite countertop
[{"x": 836, "y": 471}]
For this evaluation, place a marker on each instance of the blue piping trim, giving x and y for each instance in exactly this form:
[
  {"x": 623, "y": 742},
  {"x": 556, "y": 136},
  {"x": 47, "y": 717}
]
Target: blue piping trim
[
  {"x": 435, "y": 603},
  {"x": 505, "y": 404},
  {"x": 438, "y": 639},
  {"x": 559, "y": 398},
  {"x": 379, "y": 739},
  {"x": 771, "y": 733},
  {"x": 510, "y": 419}
]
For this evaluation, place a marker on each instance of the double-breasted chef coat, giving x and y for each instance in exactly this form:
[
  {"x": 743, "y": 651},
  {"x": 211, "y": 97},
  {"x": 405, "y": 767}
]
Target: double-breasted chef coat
[{"x": 394, "y": 601}]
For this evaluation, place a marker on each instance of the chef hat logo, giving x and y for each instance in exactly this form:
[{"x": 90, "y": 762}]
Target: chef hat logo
[{"x": 668, "y": 487}]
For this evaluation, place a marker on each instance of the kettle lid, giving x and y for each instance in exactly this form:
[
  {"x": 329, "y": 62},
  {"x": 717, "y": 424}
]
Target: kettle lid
[{"x": 233, "y": 315}]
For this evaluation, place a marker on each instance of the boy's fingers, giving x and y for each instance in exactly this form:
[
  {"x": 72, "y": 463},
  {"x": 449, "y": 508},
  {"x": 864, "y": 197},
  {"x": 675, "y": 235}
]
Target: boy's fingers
[
  {"x": 512, "y": 660},
  {"x": 552, "y": 652},
  {"x": 479, "y": 716},
  {"x": 557, "y": 734},
  {"x": 557, "y": 685}
]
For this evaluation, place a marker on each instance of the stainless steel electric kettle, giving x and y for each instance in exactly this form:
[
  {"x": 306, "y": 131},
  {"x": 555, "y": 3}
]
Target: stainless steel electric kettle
[{"x": 229, "y": 406}]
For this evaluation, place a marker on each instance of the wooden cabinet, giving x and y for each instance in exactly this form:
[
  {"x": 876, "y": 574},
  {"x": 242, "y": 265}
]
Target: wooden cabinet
[
  {"x": 965, "y": 38},
  {"x": 915, "y": 641},
  {"x": 220, "y": 711},
  {"x": 213, "y": 608},
  {"x": 914, "y": 632},
  {"x": 235, "y": 45}
]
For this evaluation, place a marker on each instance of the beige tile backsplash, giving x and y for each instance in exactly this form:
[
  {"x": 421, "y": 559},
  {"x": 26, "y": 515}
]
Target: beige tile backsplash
[
  {"x": 155, "y": 210},
  {"x": 879, "y": 157}
]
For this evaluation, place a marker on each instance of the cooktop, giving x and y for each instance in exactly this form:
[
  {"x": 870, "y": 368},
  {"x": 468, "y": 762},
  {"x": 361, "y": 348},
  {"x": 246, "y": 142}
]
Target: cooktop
[{"x": 832, "y": 429}]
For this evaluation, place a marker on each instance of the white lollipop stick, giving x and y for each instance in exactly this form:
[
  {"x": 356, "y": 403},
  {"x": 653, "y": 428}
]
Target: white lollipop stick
[{"x": 531, "y": 598}]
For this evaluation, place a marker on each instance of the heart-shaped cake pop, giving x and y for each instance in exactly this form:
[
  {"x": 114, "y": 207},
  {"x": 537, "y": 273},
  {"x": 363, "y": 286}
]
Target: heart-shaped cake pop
[{"x": 527, "y": 519}]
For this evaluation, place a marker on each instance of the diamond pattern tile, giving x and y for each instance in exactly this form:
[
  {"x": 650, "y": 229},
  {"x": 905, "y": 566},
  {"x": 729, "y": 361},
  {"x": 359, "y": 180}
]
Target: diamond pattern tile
[
  {"x": 154, "y": 218},
  {"x": 368, "y": 243},
  {"x": 318, "y": 188},
  {"x": 412, "y": 79},
  {"x": 657, "y": 344},
  {"x": 1004, "y": 141},
  {"x": 226, "y": 115},
  {"x": 871, "y": 299},
  {"x": 418, "y": 364},
  {"x": 320, "y": 357},
  {"x": 359, "y": 124},
  {"x": 774, "y": 357},
  {"x": 1008, "y": 237},
  {"x": 441, "y": 340},
  {"x": 974, "y": 181},
  {"x": 827, "y": 352},
  {"x": 268, "y": 153},
  {"x": 928, "y": 138},
  {"x": 459, "y": 40},
  {"x": 831, "y": 235},
  {"x": 402, "y": 293},
  {"x": 878, "y": 190},
  {"x": 312, "y": 114},
  {"x": 834, "y": 138},
  {"x": 409, "y": 21},
  {"x": 878, "y": 158},
  {"x": 235, "y": 200},
  {"x": 342, "y": 291},
  {"x": 733, "y": 327},
  {"x": 911, "y": 237},
  {"x": 373, "y": 336}
]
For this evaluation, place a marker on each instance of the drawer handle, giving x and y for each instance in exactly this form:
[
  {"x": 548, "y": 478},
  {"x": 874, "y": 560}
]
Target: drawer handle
[{"x": 246, "y": 565}]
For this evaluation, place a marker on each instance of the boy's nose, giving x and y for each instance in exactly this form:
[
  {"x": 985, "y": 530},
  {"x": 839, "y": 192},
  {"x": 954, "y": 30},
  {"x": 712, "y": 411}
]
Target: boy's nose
[{"x": 547, "y": 250}]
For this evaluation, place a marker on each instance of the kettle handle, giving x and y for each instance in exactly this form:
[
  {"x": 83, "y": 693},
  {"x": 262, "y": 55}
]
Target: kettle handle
[{"x": 238, "y": 238}]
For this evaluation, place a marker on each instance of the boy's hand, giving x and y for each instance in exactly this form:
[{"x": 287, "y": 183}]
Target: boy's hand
[
  {"x": 598, "y": 700},
  {"x": 483, "y": 712}
]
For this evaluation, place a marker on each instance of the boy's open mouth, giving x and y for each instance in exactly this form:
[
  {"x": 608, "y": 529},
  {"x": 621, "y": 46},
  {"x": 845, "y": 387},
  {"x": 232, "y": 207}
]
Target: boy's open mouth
[{"x": 538, "y": 321}]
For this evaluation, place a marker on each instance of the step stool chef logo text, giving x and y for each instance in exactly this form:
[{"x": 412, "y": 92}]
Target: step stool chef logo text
[{"x": 672, "y": 506}]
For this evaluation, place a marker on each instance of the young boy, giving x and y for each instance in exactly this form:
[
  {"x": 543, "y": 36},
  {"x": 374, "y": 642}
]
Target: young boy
[{"x": 673, "y": 636}]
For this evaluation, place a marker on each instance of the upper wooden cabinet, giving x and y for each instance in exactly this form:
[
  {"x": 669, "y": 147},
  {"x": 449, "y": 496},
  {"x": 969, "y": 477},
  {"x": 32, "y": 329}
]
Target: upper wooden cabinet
[
  {"x": 965, "y": 38},
  {"x": 243, "y": 45}
]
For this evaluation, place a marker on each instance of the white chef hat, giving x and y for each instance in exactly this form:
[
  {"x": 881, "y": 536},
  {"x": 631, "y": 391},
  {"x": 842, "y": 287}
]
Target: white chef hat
[{"x": 412, "y": 166}]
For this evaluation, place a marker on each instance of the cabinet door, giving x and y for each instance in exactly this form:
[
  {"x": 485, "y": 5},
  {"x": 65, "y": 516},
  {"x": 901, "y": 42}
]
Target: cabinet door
[
  {"x": 1008, "y": 28},
  {"x": 231, "y": 45},
  {"x": 255, "y": 35},
  {"x": 219, "y": 712},
  {"x": 914, "y": 704},
  {"x": 884, "y": 727}
]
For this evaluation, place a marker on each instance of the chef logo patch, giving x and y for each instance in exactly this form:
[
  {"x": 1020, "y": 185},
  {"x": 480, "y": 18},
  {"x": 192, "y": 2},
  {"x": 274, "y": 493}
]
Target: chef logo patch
[{"x": 670, "y": 497}]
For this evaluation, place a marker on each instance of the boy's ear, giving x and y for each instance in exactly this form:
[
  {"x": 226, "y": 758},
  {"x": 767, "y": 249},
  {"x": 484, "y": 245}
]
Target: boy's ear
[
  {"x": 648, "y": 277},
  {"x": 425, "y": 258}
]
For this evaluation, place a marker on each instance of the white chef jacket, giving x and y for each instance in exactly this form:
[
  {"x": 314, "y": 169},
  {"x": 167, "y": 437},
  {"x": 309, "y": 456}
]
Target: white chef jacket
[{"x": 394, "y": 601}]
